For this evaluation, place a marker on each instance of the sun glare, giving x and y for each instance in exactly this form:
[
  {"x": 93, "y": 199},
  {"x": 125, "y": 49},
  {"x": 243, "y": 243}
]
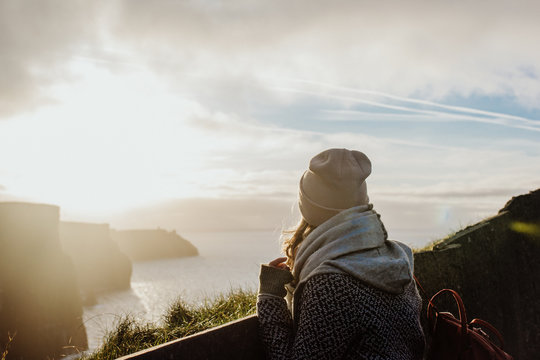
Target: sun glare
[{"x": 107, "y": 143}]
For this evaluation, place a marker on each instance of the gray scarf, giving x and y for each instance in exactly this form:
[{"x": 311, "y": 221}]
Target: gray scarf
[{"x": 354, "y": 242}]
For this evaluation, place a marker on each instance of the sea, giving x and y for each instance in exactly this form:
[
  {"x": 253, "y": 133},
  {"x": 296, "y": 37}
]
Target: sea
[{"x": 226, "y": 261}]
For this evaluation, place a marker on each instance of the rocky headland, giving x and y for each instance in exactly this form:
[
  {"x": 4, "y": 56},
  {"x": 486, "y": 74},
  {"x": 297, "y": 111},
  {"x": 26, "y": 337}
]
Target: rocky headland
[{"x": 151, "y": 244}]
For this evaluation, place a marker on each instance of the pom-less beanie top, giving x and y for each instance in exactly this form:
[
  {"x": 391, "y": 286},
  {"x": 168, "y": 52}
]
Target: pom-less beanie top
[{"x": 335, "y": 181}]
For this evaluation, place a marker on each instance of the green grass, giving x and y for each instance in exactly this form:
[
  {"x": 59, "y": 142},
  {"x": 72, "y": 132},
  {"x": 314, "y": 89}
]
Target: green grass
[
  {"x": 180, "y": 320},
  {"x": 432, "y": 244}
]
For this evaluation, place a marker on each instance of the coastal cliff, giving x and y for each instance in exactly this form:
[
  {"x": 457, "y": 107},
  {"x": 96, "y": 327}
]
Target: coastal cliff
[
  {"x": 40, "y": 306},
  {"x": 99, "y": 263},
  {"x": 151, "y": 244}
]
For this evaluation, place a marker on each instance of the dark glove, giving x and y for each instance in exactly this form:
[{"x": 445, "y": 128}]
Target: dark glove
[{"x": 272, "y": 280}]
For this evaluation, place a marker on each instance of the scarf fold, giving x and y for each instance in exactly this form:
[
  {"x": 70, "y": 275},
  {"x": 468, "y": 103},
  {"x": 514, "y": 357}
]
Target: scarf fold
[{"x": 355, "y": 242}]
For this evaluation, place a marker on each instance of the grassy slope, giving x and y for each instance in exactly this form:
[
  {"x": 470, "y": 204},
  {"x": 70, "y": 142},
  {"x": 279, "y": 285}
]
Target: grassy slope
[{"x": 180, "y": 320}]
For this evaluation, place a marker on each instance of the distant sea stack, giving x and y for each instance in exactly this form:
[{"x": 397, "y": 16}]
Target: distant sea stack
[
  {"x": 153, "y": 244},
  {"x": 39, "y": 300},
  {"x": 99, "y": 263}
]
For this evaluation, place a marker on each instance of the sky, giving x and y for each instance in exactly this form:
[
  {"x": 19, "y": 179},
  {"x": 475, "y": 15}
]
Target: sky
[{"x": 202, "y": 115}]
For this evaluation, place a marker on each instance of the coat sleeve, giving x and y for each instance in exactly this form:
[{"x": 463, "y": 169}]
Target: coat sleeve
[{"x": 327, "y": 324}]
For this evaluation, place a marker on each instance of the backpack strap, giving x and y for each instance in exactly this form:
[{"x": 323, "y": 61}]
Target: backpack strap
[
  {"x": 432, "y": 311},
  {"x": 491, "y": 328},
  {"x": 423, "y": 292},
  {"x": 420, "y": 286}
]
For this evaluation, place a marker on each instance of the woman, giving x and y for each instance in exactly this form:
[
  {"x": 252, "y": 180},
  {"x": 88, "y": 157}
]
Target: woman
[{"x": 353, "y": 295}]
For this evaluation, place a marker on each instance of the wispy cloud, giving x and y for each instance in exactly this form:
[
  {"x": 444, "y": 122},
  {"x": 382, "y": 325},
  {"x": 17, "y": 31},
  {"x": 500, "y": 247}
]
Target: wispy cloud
[
  {"x": 419, "y": 51},
  {"x": 462, "y": 109},
  {"x": 403, "y": 107}
]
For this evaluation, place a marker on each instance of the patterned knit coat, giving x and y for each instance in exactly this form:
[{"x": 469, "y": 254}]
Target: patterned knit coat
[{"x": 339, "y": 316}]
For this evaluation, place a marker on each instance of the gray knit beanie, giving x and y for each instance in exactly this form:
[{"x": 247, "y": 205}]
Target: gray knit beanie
[{"x": 335, "y": 181}]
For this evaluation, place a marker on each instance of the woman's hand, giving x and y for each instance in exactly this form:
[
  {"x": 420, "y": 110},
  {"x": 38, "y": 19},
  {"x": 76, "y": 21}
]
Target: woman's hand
[
  {"x": 274, "y": 276},
  {"x": 279, "y": 263}
]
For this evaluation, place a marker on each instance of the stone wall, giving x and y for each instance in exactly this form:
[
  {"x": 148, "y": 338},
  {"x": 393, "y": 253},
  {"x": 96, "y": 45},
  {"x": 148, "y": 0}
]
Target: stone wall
[
  {"x": 99, "y": 263},
  {"x": 40, "y": 302}
]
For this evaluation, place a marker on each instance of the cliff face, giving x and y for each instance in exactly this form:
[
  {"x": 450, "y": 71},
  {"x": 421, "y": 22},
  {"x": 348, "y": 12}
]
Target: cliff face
[
  {"x": 99, "y": 263},
  {"x": 152, "y": 244},
  {"x": 40, "y": 301},
  {"x": 494, "y": 266}
]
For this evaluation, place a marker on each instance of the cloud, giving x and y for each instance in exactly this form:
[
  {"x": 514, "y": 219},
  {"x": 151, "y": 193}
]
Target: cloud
[
  {"x": 453, "y": 191},
  {"x": 244, "y": 173},
  {"x": 428, "y": 49},
  {"x": 414, "y": 222},
  {"x": 429, "y": 115},
  {"x": 37, "y": 39},
  {"x": 218, "y": 50},
  {"x": 164, "y": 99},
  {"x": 403, "y": 106},
  {"x": 203, "y": 214}
]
